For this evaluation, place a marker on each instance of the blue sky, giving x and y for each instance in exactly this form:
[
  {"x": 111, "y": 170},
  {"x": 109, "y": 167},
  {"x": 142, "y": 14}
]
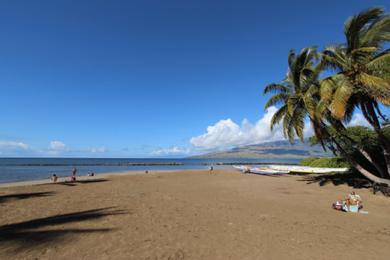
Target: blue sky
[{"x": 147, "y": 78}]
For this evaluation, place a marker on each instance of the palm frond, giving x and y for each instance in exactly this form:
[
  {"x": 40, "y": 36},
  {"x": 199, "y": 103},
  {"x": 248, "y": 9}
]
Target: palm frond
[
  {"x": 291, "y": 58},
  {"x": 321, "y": 109},
  {"x": 355, "y": 24},
  {"x": 298, "y": 121},
  {"x": 380, "y": 62},
  {"x": 376, "y": 87},
  {"x": 288, "y": 128},
  {"x": 327, "y": 87},
  {"x": 384, "y": 101},
  {"x": 292, "y": 103},
  {"x": 275, "y": 87},
  {"x": 310, "y": 100},
  {"x": 276, "y": 99},
  {"x": 349, "y": 111},
  {"x": 340, "y": 99},
  {"x": 334, "y": 57},
  {"x": 377, "y": 33},
  {"x": 278, "y": 116},
  {"x": 364, "y": 50}
]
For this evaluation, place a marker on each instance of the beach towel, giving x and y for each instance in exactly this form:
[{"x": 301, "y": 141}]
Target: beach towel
[{"x": 354, "y": 208}]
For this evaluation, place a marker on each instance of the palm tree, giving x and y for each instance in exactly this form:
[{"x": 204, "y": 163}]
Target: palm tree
[
  {"x": 299, "y": 97},
  {"x": 297, "y": 93},
  {"x": 363, "y": 72}
]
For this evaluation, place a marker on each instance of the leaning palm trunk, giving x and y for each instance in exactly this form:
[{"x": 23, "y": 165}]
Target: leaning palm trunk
[
  {"x": 372, "y": 118},
  {"x": 359, "y": 167},
  {"x": 382, "y": 172},
  {"x": 336, "y": 124},
  {"x": 386, "y": 149},
  {"x": 367, "y": 174}
]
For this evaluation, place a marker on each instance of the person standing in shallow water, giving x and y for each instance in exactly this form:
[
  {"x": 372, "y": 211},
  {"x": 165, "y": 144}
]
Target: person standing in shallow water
[{"x": 74, "y": 172}]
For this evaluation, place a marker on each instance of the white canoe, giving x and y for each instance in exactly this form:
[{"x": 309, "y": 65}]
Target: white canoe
[
  {"x": 241, "y": 168},
  {"x": 282, "y": 169},
  {"x": 306, "y": 169},
  {"x": 267, "y": 171},
  {"x": 255, "y": 170}
]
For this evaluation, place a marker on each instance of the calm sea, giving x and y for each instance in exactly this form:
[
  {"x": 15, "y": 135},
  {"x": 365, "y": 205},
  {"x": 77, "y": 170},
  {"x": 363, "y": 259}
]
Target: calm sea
[{"x": 23, "y": 169}]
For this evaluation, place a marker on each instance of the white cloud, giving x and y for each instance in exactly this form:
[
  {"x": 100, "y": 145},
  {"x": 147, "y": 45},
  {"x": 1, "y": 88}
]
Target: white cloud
[
  {"x": 54, "y": 148},
  {"x": 57, "y": 146},
  {"x": 226, "y": 133},
  {"x": 12, "y": 145},
  {"x": 174, "y": 150},
  {"x": 358, "y": 119},
  {"x": 98, "y": 150}
]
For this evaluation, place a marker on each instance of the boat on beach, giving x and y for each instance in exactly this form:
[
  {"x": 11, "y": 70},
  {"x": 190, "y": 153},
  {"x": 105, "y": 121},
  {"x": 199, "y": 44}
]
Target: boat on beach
[
  {"x": 283, "y": 169},
  {"x": 266, "y": 171},
  {"x": 305, "y": 169},
  {"x": 256, "y": 170}
]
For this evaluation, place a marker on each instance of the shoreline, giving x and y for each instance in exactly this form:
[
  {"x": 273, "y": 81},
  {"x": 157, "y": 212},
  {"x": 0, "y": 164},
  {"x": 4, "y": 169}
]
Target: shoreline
[
  {"x": 66, "y": 179},
  {"x": 83, "y": 177}
]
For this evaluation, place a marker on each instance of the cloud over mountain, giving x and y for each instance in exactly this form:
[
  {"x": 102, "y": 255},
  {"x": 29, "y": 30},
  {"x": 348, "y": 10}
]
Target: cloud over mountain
[{"x": 226, "y": 133}]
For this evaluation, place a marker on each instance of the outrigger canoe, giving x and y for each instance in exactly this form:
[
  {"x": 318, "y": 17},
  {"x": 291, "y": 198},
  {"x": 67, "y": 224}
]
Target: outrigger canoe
[
  {"x": 267, "y": 171},
  {"x": 264, "y": 171},
  {"x": 305, "y": 169},
  {"x": 283, "y": 169}
]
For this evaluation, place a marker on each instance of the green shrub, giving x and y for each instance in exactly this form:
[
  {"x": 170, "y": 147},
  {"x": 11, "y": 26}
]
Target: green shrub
[
  {"x": 326, "y": 162},
  {"x": 307, "y": 161}
]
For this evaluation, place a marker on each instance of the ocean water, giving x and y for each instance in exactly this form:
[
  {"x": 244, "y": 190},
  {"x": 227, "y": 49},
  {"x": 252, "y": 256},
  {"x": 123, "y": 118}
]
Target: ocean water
[{"x": 24, "y": 169}]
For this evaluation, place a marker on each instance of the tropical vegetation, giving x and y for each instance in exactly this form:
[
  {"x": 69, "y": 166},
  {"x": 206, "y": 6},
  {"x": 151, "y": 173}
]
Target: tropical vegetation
[
  {"x": 332, "y": 162},
  {"x": 358, "y": 78}
]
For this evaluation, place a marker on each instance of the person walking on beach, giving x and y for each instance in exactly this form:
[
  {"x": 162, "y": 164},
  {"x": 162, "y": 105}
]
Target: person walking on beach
[
  {"x": 74, "y": 171},
  {"x": 211, "y": 169},
  {"x": 54, "y": 178}
]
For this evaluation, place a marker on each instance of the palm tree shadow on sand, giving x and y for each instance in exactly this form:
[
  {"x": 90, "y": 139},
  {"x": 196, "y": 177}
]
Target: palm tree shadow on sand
[
  {"x": 349, "y": 178},
  {"x": 22, "y": 196},
  {"x": 75, "y": 183},
  {"x": 27, "y": 234}
]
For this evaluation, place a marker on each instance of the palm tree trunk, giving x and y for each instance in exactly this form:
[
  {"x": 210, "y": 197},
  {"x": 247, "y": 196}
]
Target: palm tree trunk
[
  {"x": 372, "y": 118},
  {"x": 360, "y": 168},
  {"x": 369, "y": 175},
  {"x": 338, "y": 125},
  {"x": 377, "y": 166}
]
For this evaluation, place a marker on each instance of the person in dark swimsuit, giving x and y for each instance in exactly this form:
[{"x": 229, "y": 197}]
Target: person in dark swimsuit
[{"x": 74, "y": 172}]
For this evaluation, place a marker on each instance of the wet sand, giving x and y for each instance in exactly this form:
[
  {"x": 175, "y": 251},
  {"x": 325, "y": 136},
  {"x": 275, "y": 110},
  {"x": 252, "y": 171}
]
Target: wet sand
[{"x": 190, "y": 215}]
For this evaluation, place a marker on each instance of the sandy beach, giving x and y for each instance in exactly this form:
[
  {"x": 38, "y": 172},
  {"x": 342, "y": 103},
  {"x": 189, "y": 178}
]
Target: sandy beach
[{"x": 190, "y": 215}]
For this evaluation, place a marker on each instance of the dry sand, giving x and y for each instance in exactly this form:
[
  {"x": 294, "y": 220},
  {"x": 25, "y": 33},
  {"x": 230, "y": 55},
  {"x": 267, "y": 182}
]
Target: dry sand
[{"x": 190, "y": 215}]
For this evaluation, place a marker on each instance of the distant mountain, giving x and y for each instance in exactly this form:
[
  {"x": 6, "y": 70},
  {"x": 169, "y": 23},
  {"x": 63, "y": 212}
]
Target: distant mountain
[{"x": 276, "y": 149}]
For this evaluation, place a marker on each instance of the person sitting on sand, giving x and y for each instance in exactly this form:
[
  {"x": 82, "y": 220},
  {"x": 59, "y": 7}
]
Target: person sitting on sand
[
  {"x": 353, "y": 203},
  {"x": 354, "y": 199}
]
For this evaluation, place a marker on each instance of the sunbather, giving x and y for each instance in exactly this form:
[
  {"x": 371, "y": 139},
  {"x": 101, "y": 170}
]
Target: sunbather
[
  {"x": 353, "y": 203},
  {"x": 354, "y": 199}
]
